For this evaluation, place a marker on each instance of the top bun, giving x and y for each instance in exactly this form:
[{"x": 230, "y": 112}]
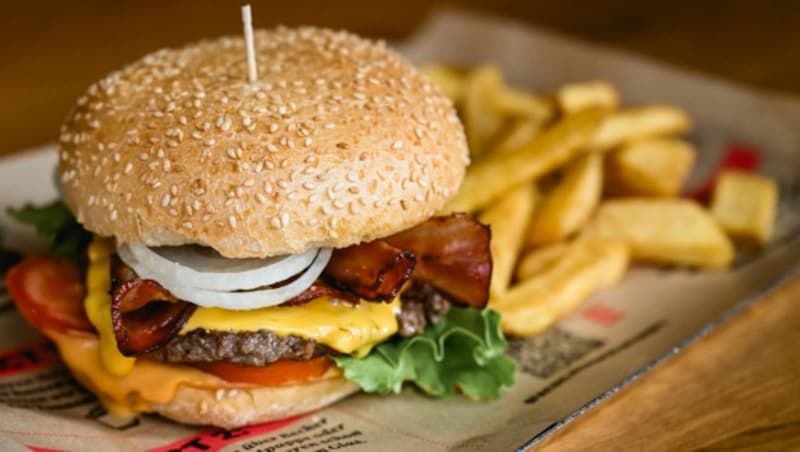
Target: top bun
[{"x": 340, "y": 141}]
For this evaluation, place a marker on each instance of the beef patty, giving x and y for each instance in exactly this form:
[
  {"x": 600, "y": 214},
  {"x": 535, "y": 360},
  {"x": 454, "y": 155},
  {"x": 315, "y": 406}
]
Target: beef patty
[{"x": 421, "y": 304}]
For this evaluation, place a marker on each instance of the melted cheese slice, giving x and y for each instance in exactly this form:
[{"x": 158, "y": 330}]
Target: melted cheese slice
[
  {"x": 148, "y": 382},
  {"x": 340, "y": 326}
]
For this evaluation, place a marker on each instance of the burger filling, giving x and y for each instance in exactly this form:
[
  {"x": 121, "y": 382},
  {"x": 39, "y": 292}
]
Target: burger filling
[
  {"x": 409, "y": 307},
  {"x": 419, "y": 306}
]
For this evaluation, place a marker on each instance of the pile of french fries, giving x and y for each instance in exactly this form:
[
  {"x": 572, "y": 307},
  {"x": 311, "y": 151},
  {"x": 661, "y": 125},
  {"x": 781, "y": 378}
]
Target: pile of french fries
[{"x": 576, "y": 188}]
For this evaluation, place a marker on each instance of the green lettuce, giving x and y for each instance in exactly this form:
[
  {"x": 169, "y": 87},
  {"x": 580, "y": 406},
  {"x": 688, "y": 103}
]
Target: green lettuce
[
  {"x": 55, "y": 224},
  {"x": 464, "y": 351}
]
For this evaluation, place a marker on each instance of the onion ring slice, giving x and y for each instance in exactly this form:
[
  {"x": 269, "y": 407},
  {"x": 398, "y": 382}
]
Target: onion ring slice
[
  {"x": 237, "y": 301},
  {"x": 192, "y": 267}
]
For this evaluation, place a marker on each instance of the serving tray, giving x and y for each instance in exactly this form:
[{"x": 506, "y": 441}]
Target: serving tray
[{"x": 616, "y": 337}]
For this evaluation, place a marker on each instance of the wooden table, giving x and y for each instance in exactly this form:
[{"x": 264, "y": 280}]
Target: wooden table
[{"x": 738, "y": 388}]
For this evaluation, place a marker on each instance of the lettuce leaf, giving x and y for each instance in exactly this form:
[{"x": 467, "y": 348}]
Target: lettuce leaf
[
  {"x": 55, "y": 224},
  {"x": 465, "y": 351}
]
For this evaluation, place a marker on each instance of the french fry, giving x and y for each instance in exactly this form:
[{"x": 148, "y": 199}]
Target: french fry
[
  {"x": 575, "y": 97},
  {"x": 513, "y": 102},
  {"x": 536, "y": 303},
  {"x": 508, "y": 219},
  {"x": 540, "y": 260},
  {"x": 744, "y": 205},
  {"x": 649, "y": 167},
  {"x": 520, "y": 133},
  {"x": 567, "y": 207},
  {"x": 670, "y": 231},
  {"x": 641, "y": 122},
  {"x": 492, "y": 176},
  {"x": 481, "y": 120},
  {"x": 450, "y": 81}
]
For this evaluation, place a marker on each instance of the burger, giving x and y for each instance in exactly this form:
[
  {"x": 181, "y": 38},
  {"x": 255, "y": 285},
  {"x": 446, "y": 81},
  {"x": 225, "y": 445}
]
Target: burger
[{"x": 247, "y": 251}]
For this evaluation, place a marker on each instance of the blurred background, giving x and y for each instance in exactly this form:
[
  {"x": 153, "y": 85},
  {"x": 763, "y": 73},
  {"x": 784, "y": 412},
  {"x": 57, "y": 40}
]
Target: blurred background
[{"x": 52, "y": 50}]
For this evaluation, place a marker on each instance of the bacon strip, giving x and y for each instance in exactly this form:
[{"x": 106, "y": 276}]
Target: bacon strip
[
  {"x": 145, "y": 316},
  {"x": 373, "y": 271},
  {"x": 452, "y": 255},
  {"x": 321, "y": 289}
]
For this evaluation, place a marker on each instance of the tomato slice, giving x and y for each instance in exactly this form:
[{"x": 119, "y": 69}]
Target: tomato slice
[
  {"x": 279, "y": 373},
  {"x": 49, "y": 293}
]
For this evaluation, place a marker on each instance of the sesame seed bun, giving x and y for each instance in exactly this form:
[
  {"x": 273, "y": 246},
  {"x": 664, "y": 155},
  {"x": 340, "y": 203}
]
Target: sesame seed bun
[
  {"x": 234, "y": 408},
  {"x": 340, "y": 141}
]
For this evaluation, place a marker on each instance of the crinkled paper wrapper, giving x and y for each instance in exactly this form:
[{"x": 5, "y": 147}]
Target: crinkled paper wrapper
[{"x": 615, "y": 337}]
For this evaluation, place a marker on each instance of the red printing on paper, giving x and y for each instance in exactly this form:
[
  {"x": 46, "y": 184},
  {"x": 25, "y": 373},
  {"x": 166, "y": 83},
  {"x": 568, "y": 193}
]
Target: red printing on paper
[
  {"x": 603, "y": 315},
  {"x": 215, "y": 439},
  {"x": 737, "y": 157},
  {"x": 28, "y": 357}
]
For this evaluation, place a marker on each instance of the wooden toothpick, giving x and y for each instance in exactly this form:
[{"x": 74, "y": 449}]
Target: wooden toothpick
[{"x": 247, "y": 20}]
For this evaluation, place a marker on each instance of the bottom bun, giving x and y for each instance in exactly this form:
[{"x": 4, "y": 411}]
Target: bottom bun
[{"x": 231, "y": 408}]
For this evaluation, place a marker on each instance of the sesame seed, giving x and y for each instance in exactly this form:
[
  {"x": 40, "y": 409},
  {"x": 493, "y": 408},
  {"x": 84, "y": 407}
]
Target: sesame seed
[
  {"x": 232, "y": 221},
  {"x": 285, "y": 219},
  {"x": 187, "y": 225},
  {"x": 165, "y": 200},
  {"x": 113, "y": 215},
  {"x": 397, "y": 145},
  {"x": 275, "y": 222}
]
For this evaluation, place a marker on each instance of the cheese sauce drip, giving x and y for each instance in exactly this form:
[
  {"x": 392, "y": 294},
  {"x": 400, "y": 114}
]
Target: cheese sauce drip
[
  {"x": 98, "y": 306},
  {"x": 342, "y": 327},
  {"x": 148, "y": 382}
]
